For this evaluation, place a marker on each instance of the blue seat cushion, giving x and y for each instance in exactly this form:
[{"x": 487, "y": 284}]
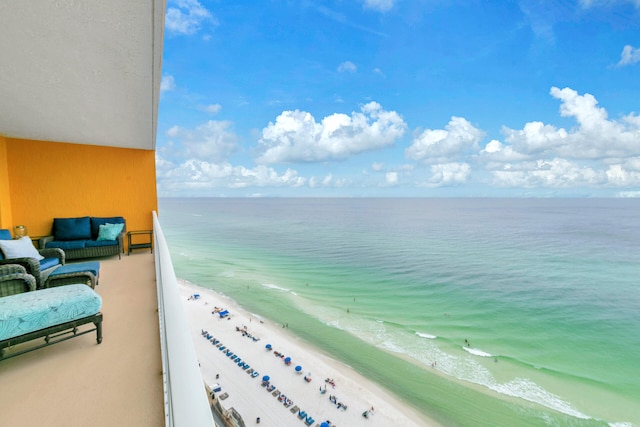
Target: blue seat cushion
[
  {"x": 32, "y": 311},
  {"x": 78, "y": 267},
  {"x": 48, "y": 263},
  {"x": 96, "y": 243},
  {"x": 72, "y": 228},
  {"x": 72, "y": 244},
  {"x": 96, "y": 222},
  {"x": 4, "y": 235}
]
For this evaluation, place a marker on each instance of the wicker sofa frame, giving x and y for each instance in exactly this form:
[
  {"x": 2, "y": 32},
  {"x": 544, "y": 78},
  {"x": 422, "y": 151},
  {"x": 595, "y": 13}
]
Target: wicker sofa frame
[
  {"x": 14, "y": 279},
  {"x": 97, "y": 251}
]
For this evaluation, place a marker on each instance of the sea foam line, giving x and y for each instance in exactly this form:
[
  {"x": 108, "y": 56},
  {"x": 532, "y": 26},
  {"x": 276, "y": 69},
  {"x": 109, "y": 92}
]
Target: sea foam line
[
  {"x": 425, "y": 335},
  {"x": 275, "y": 287},
  {"x": 476, "y": 352}
]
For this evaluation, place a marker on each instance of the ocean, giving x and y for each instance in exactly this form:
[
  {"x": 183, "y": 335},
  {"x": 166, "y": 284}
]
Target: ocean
[{"x": 477, "y": 312}]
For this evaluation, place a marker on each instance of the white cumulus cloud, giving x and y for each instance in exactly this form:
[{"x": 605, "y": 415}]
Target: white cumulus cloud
[
  {"x": 186, "y": 16},
  {"x": 210, "y": 108},
  {"x": 194, "y": 176},
  {"x": 630, "y": 55},
  {"x": 617, "y": 175},
  {"x": 449, "y": 174},
  {"x": 379, "y": 5},
  {"x": 167, "y": 83},
  {"x": 391, "y": 178},
  {"x": 595, "y": 137},
  {"x": 442, "y": 145},
  {"x": 210, "y": 141},
  {"x": 297, "y": 137},
  {"x": 554, "y": 173},
  {"x": 347, "y": 67}
]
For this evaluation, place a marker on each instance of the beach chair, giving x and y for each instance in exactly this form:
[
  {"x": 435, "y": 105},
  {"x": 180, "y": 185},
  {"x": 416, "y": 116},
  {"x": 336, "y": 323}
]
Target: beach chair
[
  {"x": 302, "y": 414},
  {"x": 309, "y": 420}
]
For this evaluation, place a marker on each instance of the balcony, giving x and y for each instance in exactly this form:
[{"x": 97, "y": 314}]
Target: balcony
[{"x": 121, "y": 381}]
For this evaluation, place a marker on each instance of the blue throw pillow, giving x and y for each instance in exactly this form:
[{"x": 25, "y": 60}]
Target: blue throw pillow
[
  {"x": 109, "y": 231},
  {"x": 96, "y": 222},
  {"x": 71, "y": 228}
]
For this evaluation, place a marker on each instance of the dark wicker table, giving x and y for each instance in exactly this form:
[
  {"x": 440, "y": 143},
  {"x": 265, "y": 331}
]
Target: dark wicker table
[{"x": 146, "y": 244}]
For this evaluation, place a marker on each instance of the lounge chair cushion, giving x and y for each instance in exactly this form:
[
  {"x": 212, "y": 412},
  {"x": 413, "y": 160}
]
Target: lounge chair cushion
[
  {"x": 72, "y": 228},
  {"x": 32, "y": 311},
  {"x": 48, "y": 263},
  {"x": 92, "y": 267},
  {"x": 19, "y": 248}
]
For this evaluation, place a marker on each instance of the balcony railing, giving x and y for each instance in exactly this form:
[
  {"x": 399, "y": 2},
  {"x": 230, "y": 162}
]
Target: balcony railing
[{"x": 185, "y": 398}]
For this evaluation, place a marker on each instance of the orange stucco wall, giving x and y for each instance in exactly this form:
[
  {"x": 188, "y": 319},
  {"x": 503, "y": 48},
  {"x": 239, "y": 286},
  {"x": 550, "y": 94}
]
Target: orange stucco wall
[
  {"x": 5, "y": 199},
  {"x": 50, "y": 179}
]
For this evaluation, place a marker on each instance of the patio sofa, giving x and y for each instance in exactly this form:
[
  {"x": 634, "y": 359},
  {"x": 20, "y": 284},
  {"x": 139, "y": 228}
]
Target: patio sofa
[{"x": 87, "y": 237}]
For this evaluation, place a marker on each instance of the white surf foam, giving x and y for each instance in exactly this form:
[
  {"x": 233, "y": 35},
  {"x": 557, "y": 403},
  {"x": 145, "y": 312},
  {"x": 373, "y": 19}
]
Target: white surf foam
[
  {"x": 275, "y": 287},
  {"x": 424, "y": 335},
  {"x": 476, "y": 352}
]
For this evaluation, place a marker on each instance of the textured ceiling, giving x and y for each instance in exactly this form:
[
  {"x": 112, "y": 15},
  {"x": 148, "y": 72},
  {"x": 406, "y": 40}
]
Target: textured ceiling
[{"x": 81, "y": 71}]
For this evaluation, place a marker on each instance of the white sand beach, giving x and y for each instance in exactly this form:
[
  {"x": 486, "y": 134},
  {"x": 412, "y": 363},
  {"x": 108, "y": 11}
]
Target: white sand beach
[{"x": 252, "y": 400}]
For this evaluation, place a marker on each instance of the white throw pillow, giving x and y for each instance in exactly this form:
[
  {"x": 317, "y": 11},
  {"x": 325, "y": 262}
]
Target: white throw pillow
[{"x": 20, "y": 248}]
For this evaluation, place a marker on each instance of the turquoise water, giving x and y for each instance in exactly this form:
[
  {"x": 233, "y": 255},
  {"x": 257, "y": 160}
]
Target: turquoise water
[{"x": 544, "y": 291}]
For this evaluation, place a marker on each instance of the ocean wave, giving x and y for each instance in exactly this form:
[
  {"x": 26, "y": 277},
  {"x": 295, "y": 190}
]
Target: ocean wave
[
  {"x": 528, "y": 390},
  {"x": 426, "y": 351},
  {"x": 334, "y": 324},
  {"x": 476, "y": 352},
  {"x": 425, "y": 335},
  {"x": 275, "y": 287}
]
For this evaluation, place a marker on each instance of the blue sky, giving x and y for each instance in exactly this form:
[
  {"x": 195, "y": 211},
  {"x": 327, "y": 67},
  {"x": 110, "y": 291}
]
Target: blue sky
[{"x": 400, "y": 98}]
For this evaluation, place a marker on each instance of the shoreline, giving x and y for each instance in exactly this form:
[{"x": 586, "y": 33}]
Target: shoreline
[{"x": 247, "y": 335}]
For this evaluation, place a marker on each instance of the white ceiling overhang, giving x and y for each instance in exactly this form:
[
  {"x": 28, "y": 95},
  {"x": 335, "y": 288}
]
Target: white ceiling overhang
[{"x": 81, "y": 71}]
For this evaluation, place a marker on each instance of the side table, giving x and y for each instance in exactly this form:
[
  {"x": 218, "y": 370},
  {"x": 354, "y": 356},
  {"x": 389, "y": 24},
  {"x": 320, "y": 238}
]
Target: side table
[{"x": 145, "y": 244}]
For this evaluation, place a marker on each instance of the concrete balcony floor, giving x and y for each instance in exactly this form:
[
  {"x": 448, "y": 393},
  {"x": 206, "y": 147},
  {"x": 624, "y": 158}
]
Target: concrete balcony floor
[{"x": 80, "y": 383}]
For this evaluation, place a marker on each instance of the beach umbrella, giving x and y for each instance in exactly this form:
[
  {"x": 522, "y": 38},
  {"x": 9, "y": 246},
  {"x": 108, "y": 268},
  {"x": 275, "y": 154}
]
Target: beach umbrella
[
  {"x": 268, "y": 346},
  {"x": 287, "y": 360},
  {"x": 266, "y": 378},
  {"x": 298, "y": 368},
  {"x": 324, "y": 424}
]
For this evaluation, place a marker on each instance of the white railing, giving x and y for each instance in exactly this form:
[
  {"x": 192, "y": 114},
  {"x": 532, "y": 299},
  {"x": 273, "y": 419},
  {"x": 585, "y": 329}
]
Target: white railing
[{"x": 185, "y": 398}]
